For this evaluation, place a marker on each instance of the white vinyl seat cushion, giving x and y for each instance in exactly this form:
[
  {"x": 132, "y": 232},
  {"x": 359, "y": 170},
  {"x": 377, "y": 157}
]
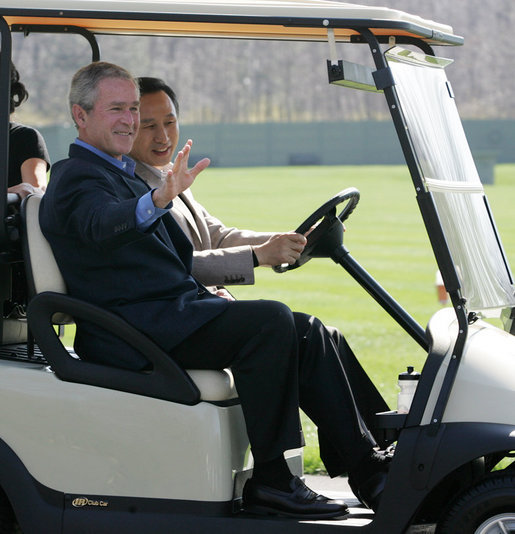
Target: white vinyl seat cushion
[{"x": 214, "y": 385}]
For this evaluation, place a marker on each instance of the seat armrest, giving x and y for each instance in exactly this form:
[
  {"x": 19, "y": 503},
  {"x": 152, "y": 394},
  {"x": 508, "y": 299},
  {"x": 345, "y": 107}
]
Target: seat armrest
[{"x": 167, "y": 380}]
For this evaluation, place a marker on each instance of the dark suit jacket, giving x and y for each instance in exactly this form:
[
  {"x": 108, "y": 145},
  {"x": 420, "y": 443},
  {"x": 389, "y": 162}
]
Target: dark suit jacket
[{"x": 88, "y": 216}]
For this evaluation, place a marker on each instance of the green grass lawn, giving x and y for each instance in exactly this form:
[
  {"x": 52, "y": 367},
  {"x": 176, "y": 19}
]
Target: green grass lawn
[{"x": 385, "y": 234}]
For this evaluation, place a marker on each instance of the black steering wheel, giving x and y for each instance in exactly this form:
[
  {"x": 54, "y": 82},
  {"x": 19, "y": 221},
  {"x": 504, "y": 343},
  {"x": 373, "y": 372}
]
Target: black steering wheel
[{"x": 325, "y": 228}]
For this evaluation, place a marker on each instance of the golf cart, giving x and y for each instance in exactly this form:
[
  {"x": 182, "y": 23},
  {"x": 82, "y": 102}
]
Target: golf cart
[{"x": 90, "y": 448}]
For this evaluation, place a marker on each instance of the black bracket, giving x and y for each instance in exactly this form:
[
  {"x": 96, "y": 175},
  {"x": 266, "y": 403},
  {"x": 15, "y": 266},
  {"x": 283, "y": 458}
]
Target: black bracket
[{"x": 383, "y": 78}]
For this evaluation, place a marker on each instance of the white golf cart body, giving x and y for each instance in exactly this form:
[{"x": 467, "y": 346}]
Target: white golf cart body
[{"x": 86, "y": 448}]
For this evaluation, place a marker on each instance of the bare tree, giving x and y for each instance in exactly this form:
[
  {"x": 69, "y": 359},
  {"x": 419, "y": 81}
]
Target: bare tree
[{"x": 259, "y": 81}]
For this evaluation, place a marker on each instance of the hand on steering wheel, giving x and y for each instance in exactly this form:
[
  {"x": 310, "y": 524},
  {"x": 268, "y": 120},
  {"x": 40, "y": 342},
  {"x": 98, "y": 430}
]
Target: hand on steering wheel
[{"x": 324, "y": 227}]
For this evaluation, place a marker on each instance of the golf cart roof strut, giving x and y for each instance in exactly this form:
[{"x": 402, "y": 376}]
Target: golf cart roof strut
[
  {"x": 5, "y": 89},
  {"x": 42, "y": 28}
]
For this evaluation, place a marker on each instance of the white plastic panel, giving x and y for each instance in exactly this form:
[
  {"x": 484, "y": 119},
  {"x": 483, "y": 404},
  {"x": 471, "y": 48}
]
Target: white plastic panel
[
  {"x": 484, "y": 388},
  {"x": 88, "y": 440}
]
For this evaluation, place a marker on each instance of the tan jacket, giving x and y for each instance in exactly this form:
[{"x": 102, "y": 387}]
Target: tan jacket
[{"x": 223, "y": 256}]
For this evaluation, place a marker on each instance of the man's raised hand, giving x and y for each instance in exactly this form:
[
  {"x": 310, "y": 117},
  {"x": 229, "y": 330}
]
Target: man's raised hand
[{"x": 179, "y": 178}]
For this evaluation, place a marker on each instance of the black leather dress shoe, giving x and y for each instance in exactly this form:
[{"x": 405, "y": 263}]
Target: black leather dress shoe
[
  {"x": 301, "y": 502},
  {"x": 370, "y": 491},
  {"x": 369, "y": 481}
]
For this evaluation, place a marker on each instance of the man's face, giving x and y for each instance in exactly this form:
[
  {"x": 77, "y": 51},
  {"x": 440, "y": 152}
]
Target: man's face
[
  {"x": 112, "y": 124},
  {"x": 159, "y": 132}
]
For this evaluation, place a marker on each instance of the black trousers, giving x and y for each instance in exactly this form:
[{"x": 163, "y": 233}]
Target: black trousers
[
  {"x": 282, "y": 361},
  {"x": 366, "y": 395}
]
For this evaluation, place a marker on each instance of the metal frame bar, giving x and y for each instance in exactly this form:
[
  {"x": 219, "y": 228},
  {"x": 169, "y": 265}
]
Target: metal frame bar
[
  {"x": 399, "y": 39},
  {"x": 42, "y": 28},
  {"x": 434, "y": 229},
  {"x": 5, "y": 89},
  {"x": 385, "y": 300}
]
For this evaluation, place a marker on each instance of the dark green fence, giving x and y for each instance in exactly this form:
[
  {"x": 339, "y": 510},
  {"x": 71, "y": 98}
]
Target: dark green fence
[{"x": 319, "y": 143}]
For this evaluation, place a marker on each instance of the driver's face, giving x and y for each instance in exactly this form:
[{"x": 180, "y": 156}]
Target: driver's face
[{"x": 159, "y": 131}]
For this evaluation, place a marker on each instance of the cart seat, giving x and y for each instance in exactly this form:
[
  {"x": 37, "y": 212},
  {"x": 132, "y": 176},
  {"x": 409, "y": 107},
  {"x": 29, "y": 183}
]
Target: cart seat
[{"x": 44, "y": 276}]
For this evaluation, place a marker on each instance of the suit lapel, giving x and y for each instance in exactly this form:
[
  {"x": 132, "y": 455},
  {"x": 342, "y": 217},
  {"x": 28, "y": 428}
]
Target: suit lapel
[
  {"x": 147, "y": 175},
  {"x": 186, "y": 210},
  {"x": 134, "y": 184},
  {"x": 182, "y": 206},
  {"x": 181, "y": 243}
]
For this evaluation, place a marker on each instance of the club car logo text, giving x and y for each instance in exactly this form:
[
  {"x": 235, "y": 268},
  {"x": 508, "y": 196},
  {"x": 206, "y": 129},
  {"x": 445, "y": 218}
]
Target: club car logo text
[{"x": 80, "y": 502}]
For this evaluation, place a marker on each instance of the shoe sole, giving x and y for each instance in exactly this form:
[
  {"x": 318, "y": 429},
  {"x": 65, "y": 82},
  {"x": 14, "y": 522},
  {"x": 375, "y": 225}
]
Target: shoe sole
[{"x": 267, "y": 510}]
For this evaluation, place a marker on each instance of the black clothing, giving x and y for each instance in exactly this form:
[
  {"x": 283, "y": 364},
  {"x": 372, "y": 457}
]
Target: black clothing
[
  {"x": 282, "y": 360},
  {"x": 24, "y": 143}
]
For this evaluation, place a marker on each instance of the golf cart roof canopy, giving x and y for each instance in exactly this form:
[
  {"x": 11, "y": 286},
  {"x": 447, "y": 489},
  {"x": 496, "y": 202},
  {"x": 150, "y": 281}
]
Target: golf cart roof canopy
[{"x": 263, "y": 19}]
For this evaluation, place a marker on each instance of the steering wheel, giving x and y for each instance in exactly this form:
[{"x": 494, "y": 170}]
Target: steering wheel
[{"x": 324, "y": 229}]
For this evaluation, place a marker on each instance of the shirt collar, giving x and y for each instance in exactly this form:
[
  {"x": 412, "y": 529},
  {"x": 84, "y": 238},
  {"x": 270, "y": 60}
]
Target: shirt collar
[
  {"x": 125, "y": 164},
  {"x": 153, "y": 170}
]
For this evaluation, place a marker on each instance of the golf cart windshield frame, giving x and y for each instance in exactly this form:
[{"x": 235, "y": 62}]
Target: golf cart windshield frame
[{"x": 451, "y": 198}]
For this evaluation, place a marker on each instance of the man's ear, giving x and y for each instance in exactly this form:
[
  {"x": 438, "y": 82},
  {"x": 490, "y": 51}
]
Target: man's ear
[{"x": 79, "y": 115}]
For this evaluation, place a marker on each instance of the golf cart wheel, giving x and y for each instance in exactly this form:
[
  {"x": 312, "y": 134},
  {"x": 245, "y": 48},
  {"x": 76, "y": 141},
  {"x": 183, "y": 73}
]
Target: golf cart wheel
[{"x": 486, "y": 508}]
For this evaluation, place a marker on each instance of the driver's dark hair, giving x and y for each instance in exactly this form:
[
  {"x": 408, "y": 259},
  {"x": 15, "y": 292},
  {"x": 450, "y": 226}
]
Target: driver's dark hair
[
  {"x": 18, "y": 92},
  {"x": 148, "y": 85}
]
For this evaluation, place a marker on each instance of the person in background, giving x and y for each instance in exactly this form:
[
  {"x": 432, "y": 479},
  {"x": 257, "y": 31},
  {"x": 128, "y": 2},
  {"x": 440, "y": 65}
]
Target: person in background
[
  {"x": 28, "y": 155},
  {"x": 28, "y": 166},
  {"x": 222, "y": 255},
  {"x": 441, "y": 292}
]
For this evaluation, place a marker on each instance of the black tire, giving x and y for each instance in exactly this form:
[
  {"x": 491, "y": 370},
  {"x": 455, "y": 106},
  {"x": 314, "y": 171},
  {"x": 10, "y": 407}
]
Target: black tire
[{"x": 483, "y": 508}]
